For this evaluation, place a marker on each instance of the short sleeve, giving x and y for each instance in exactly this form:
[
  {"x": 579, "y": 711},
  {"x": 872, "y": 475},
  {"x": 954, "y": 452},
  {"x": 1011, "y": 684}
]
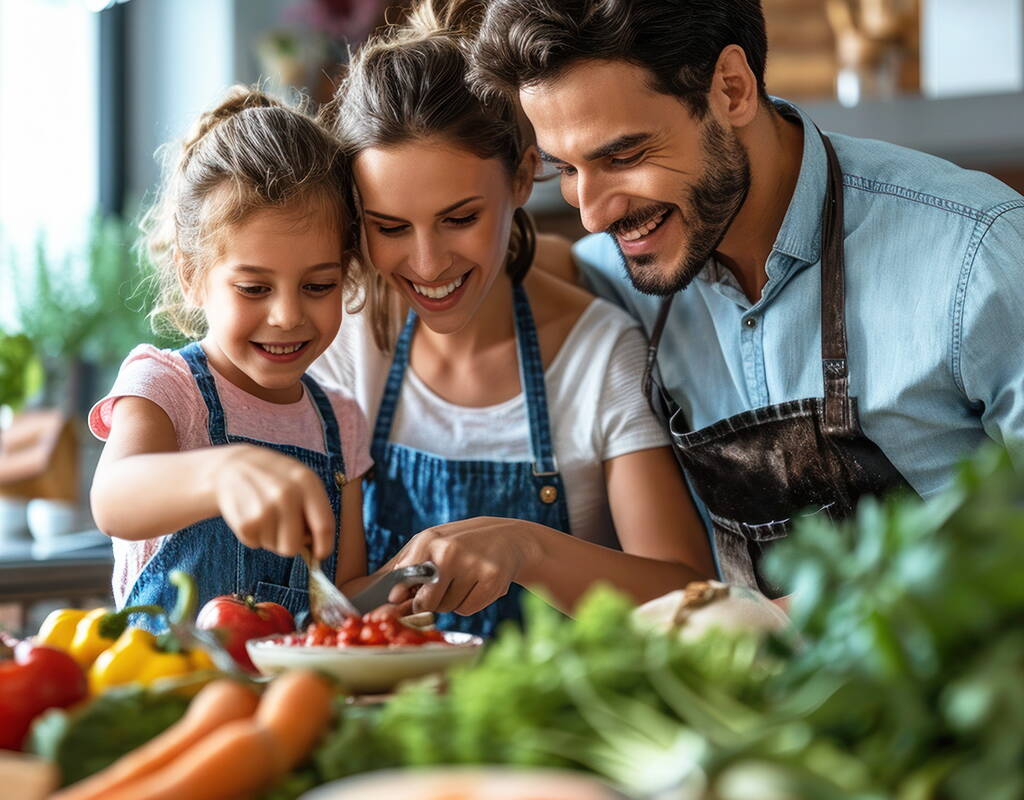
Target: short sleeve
[
  {"x": 626, "y": 421},
  {"x": 989, "y": 348},
  {"x": 162, "y": 377}
]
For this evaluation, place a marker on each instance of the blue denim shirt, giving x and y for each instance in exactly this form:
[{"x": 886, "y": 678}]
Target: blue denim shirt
[{"x": 934, "y": 308}]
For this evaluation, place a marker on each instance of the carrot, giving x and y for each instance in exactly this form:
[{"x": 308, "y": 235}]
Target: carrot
[
  {"x": 296, "y": 708},
  {"x": 216, "y": 704},
  {"x": 236, "y": 760}
]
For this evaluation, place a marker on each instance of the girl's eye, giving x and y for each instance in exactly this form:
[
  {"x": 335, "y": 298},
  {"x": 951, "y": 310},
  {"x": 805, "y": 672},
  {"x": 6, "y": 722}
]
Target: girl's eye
[
  {"x": 565, "y": 170},
  {"x": 251, "y": 290},
  {"x": 469, "y": 219},
  {"x": 319, "y": 288},
  {"x": 625, "y": 162},
  {"x": 391, "y": 230}
]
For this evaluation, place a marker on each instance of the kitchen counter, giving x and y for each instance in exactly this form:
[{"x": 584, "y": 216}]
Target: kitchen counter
[{"x": 74, "y": 566}]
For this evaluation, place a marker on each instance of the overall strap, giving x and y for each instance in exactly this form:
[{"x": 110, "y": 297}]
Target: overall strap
[
  {"x": 393, "y": 387},
  {"x": 332, "y": 434},
  {"x": 531, "y": 378},
  {"x": 834, "y": 365},
  {"x": 200, "y": 368},
  {"x": 651, "y": 361}
]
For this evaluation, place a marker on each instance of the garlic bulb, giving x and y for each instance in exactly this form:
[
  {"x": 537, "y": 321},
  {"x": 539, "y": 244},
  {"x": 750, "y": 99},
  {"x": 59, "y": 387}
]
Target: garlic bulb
[{"x": 704, "y": 605}]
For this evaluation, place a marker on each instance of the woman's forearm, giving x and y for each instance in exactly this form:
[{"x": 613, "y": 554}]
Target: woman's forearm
[
  {"x": 565, "y": 567},
  {"x": 152, "y": 494}
]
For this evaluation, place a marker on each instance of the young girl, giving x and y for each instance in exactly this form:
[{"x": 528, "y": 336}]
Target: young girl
[
  {"x": 223, "y": 458},
  {"x": 508, "y": 413}
]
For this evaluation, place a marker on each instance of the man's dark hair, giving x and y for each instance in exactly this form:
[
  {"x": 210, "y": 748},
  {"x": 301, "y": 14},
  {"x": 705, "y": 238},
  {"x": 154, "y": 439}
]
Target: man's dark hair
[{"x": 523, "y": 43}]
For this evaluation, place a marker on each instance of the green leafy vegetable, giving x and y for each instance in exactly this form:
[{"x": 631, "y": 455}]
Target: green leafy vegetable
[{"x": 84, "y": 741}]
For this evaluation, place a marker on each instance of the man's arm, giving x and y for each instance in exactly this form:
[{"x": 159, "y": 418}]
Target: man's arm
[{"x": 988, "y": 348}]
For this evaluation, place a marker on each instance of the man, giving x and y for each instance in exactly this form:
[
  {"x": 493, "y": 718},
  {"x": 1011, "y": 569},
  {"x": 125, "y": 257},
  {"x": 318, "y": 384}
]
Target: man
[{"x": 833, "y": 317}]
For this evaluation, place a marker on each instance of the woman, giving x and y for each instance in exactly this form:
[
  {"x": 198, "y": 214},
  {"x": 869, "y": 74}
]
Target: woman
[{"x": 507, "y": 412}]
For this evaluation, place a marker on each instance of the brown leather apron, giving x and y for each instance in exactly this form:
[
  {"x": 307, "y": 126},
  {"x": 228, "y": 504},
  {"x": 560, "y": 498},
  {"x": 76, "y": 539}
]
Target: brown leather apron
[{"x": 758, "y": 470}]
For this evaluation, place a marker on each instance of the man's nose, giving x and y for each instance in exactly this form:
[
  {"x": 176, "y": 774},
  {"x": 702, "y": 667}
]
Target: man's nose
[{"x": 599, "y": 202}]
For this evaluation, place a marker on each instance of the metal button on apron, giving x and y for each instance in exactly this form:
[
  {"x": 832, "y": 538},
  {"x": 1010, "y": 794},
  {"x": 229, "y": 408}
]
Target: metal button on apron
[
  {"x": 340, "y": 479},
  {"x": 548, "y": 494}
]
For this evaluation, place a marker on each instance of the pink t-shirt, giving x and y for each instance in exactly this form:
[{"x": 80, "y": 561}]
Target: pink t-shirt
[{"x": 163, "y": 377}]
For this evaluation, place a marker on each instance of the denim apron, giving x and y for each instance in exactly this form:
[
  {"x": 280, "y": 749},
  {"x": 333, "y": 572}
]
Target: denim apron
[
  {"x": 210, "y": 552},
  {"x": 758, "y": 471},
  {"x": 410, "y": 490}
]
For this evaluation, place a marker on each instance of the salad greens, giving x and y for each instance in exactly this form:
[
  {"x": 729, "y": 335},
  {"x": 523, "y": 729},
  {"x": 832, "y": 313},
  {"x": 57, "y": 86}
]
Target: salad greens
[{"x": 905, "y": 679}]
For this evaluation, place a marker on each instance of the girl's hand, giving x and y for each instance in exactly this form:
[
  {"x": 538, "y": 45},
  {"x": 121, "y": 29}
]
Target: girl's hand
[
  {"x": 273, "y": 501},
  {"x": 477, "y": 559}
]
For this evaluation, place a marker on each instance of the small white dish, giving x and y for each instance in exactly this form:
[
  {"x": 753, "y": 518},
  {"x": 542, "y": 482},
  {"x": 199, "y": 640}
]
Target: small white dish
[
  {"x": 467, "y": 783},
  {"x": 366, "y": 669}
]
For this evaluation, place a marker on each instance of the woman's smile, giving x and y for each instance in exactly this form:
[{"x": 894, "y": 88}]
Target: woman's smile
[{"x": 438, "y": 296}]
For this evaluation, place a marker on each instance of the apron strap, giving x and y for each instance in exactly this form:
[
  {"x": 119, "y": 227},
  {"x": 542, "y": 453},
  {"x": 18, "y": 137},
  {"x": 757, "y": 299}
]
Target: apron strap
[
  {"x": 531, "y": 379},
  {"x": 200, "y": 369},
  {"x": 835, "y": 369},
  {"x": 332, "y": 434},
  {"x": 392, "y": 389},
  {"x": 647, "y": 382}
]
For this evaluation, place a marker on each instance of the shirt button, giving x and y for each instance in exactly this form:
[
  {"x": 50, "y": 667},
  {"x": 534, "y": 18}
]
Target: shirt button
[{"x": 750, "y": 322}]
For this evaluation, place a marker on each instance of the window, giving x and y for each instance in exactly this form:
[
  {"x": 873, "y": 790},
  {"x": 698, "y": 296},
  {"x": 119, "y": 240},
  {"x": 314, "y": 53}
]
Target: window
[{"x": 49, "y": 120}]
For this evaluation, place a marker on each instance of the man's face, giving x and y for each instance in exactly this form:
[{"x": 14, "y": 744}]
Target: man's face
[{"x": 640, "y": 167}]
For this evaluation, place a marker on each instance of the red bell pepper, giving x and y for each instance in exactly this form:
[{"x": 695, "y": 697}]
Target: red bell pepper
[{"x": 35, "y": 679}]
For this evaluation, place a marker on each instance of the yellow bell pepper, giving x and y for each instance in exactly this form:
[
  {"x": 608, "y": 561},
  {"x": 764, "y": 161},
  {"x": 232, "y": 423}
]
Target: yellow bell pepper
[
  {"x": 99, "y": 629},
  {"x": 58, "y": 629},
  {"x": 138, "y": 656}
]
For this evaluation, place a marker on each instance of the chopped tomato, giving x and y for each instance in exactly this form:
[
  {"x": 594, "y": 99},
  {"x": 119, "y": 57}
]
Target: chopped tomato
[{"x": 372, "y": 629}]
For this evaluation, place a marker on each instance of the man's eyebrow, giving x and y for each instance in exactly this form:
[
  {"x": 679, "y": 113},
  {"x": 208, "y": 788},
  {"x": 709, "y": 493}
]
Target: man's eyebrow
[
  {"x": 617, "y": 145},
  {"x": 441, "y": 213}
]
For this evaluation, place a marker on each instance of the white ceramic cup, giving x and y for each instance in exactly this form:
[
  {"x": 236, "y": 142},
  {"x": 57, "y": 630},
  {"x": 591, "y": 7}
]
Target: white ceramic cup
[{"x": 13, "y": 519}]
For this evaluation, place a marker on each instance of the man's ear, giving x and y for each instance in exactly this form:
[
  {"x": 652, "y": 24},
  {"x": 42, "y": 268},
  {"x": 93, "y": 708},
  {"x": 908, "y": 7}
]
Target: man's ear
[
  {"x": 522, "y": 184},
  {"x": 734, "y": 97}
]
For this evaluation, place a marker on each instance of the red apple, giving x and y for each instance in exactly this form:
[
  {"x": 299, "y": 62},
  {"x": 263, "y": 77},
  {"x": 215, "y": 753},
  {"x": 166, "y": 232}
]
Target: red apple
[{"x": 240, "y": 619}]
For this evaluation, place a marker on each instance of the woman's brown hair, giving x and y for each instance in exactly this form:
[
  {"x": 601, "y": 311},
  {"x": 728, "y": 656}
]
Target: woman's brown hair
[
  {"x": 249, "y": 153},
  {"x": 410, "y": 83}
]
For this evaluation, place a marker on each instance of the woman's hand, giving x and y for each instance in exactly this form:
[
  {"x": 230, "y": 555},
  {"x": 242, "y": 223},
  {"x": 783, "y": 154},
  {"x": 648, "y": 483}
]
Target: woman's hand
[
  {"x": 477, "y": 560},
  {"x": 272, "y": 501}
]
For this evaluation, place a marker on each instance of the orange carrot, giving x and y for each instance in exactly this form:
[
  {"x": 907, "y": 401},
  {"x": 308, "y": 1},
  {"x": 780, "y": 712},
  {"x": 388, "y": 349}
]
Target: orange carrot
[
  {"x": 296, "y": 708},
  {"x": 216, "y": 704},
  {"x": 236, "y": 760}
]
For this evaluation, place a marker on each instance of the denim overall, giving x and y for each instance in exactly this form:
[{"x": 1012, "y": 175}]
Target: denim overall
[
  {"x": 410, "y": 490},
  {"x": 210, "y": 552}
]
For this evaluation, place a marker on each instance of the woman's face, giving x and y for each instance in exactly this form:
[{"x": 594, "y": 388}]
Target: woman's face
[{"x": 437, "y": 221}]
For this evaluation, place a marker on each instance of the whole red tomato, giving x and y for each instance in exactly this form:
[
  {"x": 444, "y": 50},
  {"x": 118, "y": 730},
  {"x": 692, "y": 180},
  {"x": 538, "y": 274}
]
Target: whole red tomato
[
  {"x": 240, "y": 619},
  {"x": 37, "y": 678}
]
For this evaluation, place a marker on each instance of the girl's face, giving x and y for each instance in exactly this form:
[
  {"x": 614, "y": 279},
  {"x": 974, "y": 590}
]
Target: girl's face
[
  {"x": 273, "y": 300},
  {"x": 437, "y": 221}
]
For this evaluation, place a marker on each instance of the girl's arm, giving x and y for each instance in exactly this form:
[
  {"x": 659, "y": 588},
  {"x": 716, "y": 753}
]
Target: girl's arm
[
  {"x": 350, "y": 574},
  {"x": 145, "y": 487}
]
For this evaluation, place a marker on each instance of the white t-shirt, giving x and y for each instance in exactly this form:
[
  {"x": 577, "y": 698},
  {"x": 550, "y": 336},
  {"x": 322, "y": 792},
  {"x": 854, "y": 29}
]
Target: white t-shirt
[{"x": 595, "y": 405}]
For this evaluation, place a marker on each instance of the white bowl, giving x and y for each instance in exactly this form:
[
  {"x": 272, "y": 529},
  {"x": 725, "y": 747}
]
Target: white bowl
[
  {"x": 48, "y": 519},
  {"x": 365, "y": 669},
  {"x": 467, "y": 783}
]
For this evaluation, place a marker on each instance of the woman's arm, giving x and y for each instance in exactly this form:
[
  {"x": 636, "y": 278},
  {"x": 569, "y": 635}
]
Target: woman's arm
[{"x": 145, "y": 487}]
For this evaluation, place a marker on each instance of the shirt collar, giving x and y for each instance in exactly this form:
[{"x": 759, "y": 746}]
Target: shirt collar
[{"x": 800, "y": 234}]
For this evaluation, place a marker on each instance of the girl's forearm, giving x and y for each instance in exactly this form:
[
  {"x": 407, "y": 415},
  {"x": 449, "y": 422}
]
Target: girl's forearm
[
  {"x": 171, "y": 490},
  {"x": 565, "y": 567}
]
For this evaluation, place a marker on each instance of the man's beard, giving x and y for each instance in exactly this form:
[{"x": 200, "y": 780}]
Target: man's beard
[{"x": 709, "y": 207}]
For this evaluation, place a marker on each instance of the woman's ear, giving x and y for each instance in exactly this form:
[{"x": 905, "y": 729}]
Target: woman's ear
[{"x": 522, "y": 184}]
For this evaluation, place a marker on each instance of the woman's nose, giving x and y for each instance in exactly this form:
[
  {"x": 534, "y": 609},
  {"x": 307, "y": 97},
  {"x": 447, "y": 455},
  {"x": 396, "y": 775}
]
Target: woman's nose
[{"x": 430, "y": 260}]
